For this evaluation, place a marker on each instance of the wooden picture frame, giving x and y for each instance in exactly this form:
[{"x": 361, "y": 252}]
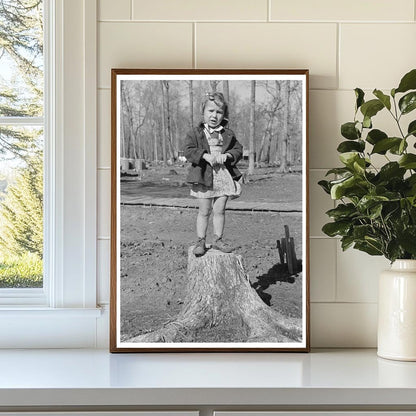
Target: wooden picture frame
[{"x": 165, "y": 295}]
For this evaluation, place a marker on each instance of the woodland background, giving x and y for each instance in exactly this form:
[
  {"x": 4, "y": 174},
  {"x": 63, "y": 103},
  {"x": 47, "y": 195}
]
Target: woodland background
[{"x": 266, "y": 117}]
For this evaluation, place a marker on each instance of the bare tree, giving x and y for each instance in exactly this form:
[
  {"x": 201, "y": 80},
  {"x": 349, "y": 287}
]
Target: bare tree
[
  {"x": 164, "y": 149},
  {"x": 284, "y": 132},
  {"x": 214, "y": 85},
  {"x": 172, "y": 149},
  {"x": 129, "y": 140},
  {"x": 226, "y": 90},
  {"x": 191, "y": 102},
  {"x": 269, "y": 112},
  {"x": 252, "y": 128}
]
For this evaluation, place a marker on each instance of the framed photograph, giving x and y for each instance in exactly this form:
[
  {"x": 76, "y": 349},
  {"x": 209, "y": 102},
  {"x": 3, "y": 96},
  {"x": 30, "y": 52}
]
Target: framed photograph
[{"x": 209, "y": 211}]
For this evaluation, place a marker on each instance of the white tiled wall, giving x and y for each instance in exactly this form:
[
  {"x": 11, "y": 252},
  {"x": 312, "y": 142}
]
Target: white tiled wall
[{"x": 345, "y": 44}]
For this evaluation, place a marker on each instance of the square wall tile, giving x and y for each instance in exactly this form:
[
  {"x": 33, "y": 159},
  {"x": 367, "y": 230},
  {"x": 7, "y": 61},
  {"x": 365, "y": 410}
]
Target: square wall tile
[
  {"x": 328, "y": 111},
  {"x": 319, "y": 203},
  {"x": 343, "y": 325},
  {"x": 200, "y": 10},
  {"x": 104, "y": 203},
  {"x": 142, "y": 45},
  {"x": 357, "y": 275},
  {"x": 270, "y": 45},
  {"x": 376, "y": 55},
  {"x": 341, "y": 10},
  {"x": 104, "y": 129},
  {"x": 323, "y": 269},
  {"x": 114, "y": 10}
]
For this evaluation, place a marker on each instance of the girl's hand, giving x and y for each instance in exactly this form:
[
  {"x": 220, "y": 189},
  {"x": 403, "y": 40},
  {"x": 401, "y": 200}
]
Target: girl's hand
[
  {"x": 220, "y": 159},
  {"x": 209, "y": 158}
]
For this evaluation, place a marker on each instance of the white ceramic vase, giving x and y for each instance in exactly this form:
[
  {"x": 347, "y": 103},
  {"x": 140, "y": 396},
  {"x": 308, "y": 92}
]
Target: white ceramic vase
[{"x": 397, "y": 312}]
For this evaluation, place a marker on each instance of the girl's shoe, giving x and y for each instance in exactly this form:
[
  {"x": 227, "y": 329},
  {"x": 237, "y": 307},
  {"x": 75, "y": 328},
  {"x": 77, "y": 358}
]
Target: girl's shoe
[
  {"x": 221, "y": 245},
  {"x": 200, "y": 249}
]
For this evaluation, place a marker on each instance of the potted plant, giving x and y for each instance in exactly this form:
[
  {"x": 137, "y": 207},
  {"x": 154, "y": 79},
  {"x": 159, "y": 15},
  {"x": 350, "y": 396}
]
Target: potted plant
[{"x": 376, "y": 206}]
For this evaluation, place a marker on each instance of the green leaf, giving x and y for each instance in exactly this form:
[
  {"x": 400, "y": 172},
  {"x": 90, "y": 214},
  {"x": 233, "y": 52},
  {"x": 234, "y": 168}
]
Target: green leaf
[
  {"x": 375, "y": 136},
  {"x": 391, "y": 170},
  {"x": 347, "y": 187},
  {"x": 408, "y": 82},
  {"x": 359, "y": 232},
  {"x": 385, "y": 99},
  {"x": 349, "y": 131},
  {"x": 383, "y": 145},
  {"x": 348, "y": 158},
  {"x": 338, "y": 171},
  {"x": 367, "y": 122},
  {"x": 408, "y": 102},
  {"x": 346, "y": 242},
  {"x": 349, "y": 146},
  {"x": 411, "y": 130},
  {"x": 393, "y": 250},
  {"x": 325, "y": 186},
  {"x": 359, "y": 94},
  {"x": 375, "y": 212},
  {"x": 371, "y": 108},
  {"x": 342, "y": 211},
  {"x": 336, "y": 228},
  {"x": 359, "y": 165},
  {"x": 407, "y": 240},
  {"x": 369, "y": 248},
  {"x": 398, "y": 149},
  {"x": 369, "y": 201},
  {"x": 408, "y": 161}
]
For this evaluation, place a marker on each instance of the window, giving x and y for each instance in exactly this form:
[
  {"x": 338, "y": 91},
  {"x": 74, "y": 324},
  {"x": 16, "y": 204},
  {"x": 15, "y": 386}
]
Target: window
[
  {"x": 63, "y": 313},
  {"x": 22, "y": 128}
]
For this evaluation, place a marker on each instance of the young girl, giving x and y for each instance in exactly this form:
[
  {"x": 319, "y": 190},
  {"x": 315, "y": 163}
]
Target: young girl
[{"x": 214, "y": 152}]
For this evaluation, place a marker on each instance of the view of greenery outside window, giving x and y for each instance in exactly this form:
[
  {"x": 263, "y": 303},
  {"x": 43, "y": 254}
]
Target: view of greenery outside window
[{"x": 21, "y": 143}]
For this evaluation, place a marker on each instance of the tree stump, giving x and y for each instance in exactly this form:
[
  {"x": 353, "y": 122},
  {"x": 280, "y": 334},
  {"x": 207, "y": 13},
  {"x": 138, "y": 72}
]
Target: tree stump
[{"x": 217, "y": 287}]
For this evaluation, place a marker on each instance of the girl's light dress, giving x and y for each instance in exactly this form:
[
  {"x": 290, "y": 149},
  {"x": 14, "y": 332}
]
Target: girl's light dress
[{"x": 223, "y": 183}]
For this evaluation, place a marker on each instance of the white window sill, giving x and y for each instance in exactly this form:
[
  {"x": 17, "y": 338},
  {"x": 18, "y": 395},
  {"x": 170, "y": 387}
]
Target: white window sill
[
  {"x": 40, "y": 327},
  {"x": 330, "y": 379},
  {"x": 36, "y": 312}
]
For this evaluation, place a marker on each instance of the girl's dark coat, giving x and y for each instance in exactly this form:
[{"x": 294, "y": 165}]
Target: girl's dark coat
[{"x": 196, "y": 144}]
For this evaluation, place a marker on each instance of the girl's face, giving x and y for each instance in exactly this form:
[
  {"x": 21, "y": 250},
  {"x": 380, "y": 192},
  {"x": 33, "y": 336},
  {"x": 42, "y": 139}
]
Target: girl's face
[{"x": 213, "y": 114}]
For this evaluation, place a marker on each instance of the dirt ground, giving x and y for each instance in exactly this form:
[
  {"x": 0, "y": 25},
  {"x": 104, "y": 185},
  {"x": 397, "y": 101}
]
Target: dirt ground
[{"x": 155, "y": 241}]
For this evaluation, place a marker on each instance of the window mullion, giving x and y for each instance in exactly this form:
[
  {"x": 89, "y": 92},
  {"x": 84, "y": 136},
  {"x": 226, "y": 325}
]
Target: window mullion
[{"x": 22, "y": 121}]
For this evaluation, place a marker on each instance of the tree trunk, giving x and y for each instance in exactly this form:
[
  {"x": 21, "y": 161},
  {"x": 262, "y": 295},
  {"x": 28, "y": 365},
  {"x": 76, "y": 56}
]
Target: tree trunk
[
  {"x": 252, "y": 122},
  {"x": 164, "y": 152},
  {"x": 191, "y": 102},
  {"x": 285, "y": 131},
  {"x": 131, "y": 143},
  {"x": 172, "y": 149},
  {"x": 218, "y": 287},
  {"x": 214, "y": 85},
  {"x": 155, "y": 153}
]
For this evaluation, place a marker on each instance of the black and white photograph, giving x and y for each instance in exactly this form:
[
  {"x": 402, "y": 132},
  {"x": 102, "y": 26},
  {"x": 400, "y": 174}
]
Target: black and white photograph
[{"x": 209, "y": 211}]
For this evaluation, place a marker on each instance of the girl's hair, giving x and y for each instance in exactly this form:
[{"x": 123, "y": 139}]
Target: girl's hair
[{"x": 218, "y": 99}]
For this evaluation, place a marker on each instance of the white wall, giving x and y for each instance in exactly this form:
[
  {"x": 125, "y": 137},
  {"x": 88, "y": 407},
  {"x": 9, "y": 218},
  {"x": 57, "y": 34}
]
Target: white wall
[{"x": 345, "y": 44}]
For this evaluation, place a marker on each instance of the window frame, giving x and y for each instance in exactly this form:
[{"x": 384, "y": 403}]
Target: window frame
[{"x": 70, "y": 209}]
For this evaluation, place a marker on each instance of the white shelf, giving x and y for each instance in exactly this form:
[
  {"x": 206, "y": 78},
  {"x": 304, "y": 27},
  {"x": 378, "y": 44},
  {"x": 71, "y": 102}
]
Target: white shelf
[{"x": 59, "y": 378}]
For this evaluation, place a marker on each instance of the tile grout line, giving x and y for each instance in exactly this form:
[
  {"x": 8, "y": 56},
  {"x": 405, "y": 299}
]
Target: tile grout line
[
  {"x": 194, "y": 62},
  {"x": 131, "y": 10},
  {"x": 338, "y": 64},
  {"x": 269, "y": 10},
  {"x": 335, "y": 248},
  {"x": 255, "y": 21}
]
